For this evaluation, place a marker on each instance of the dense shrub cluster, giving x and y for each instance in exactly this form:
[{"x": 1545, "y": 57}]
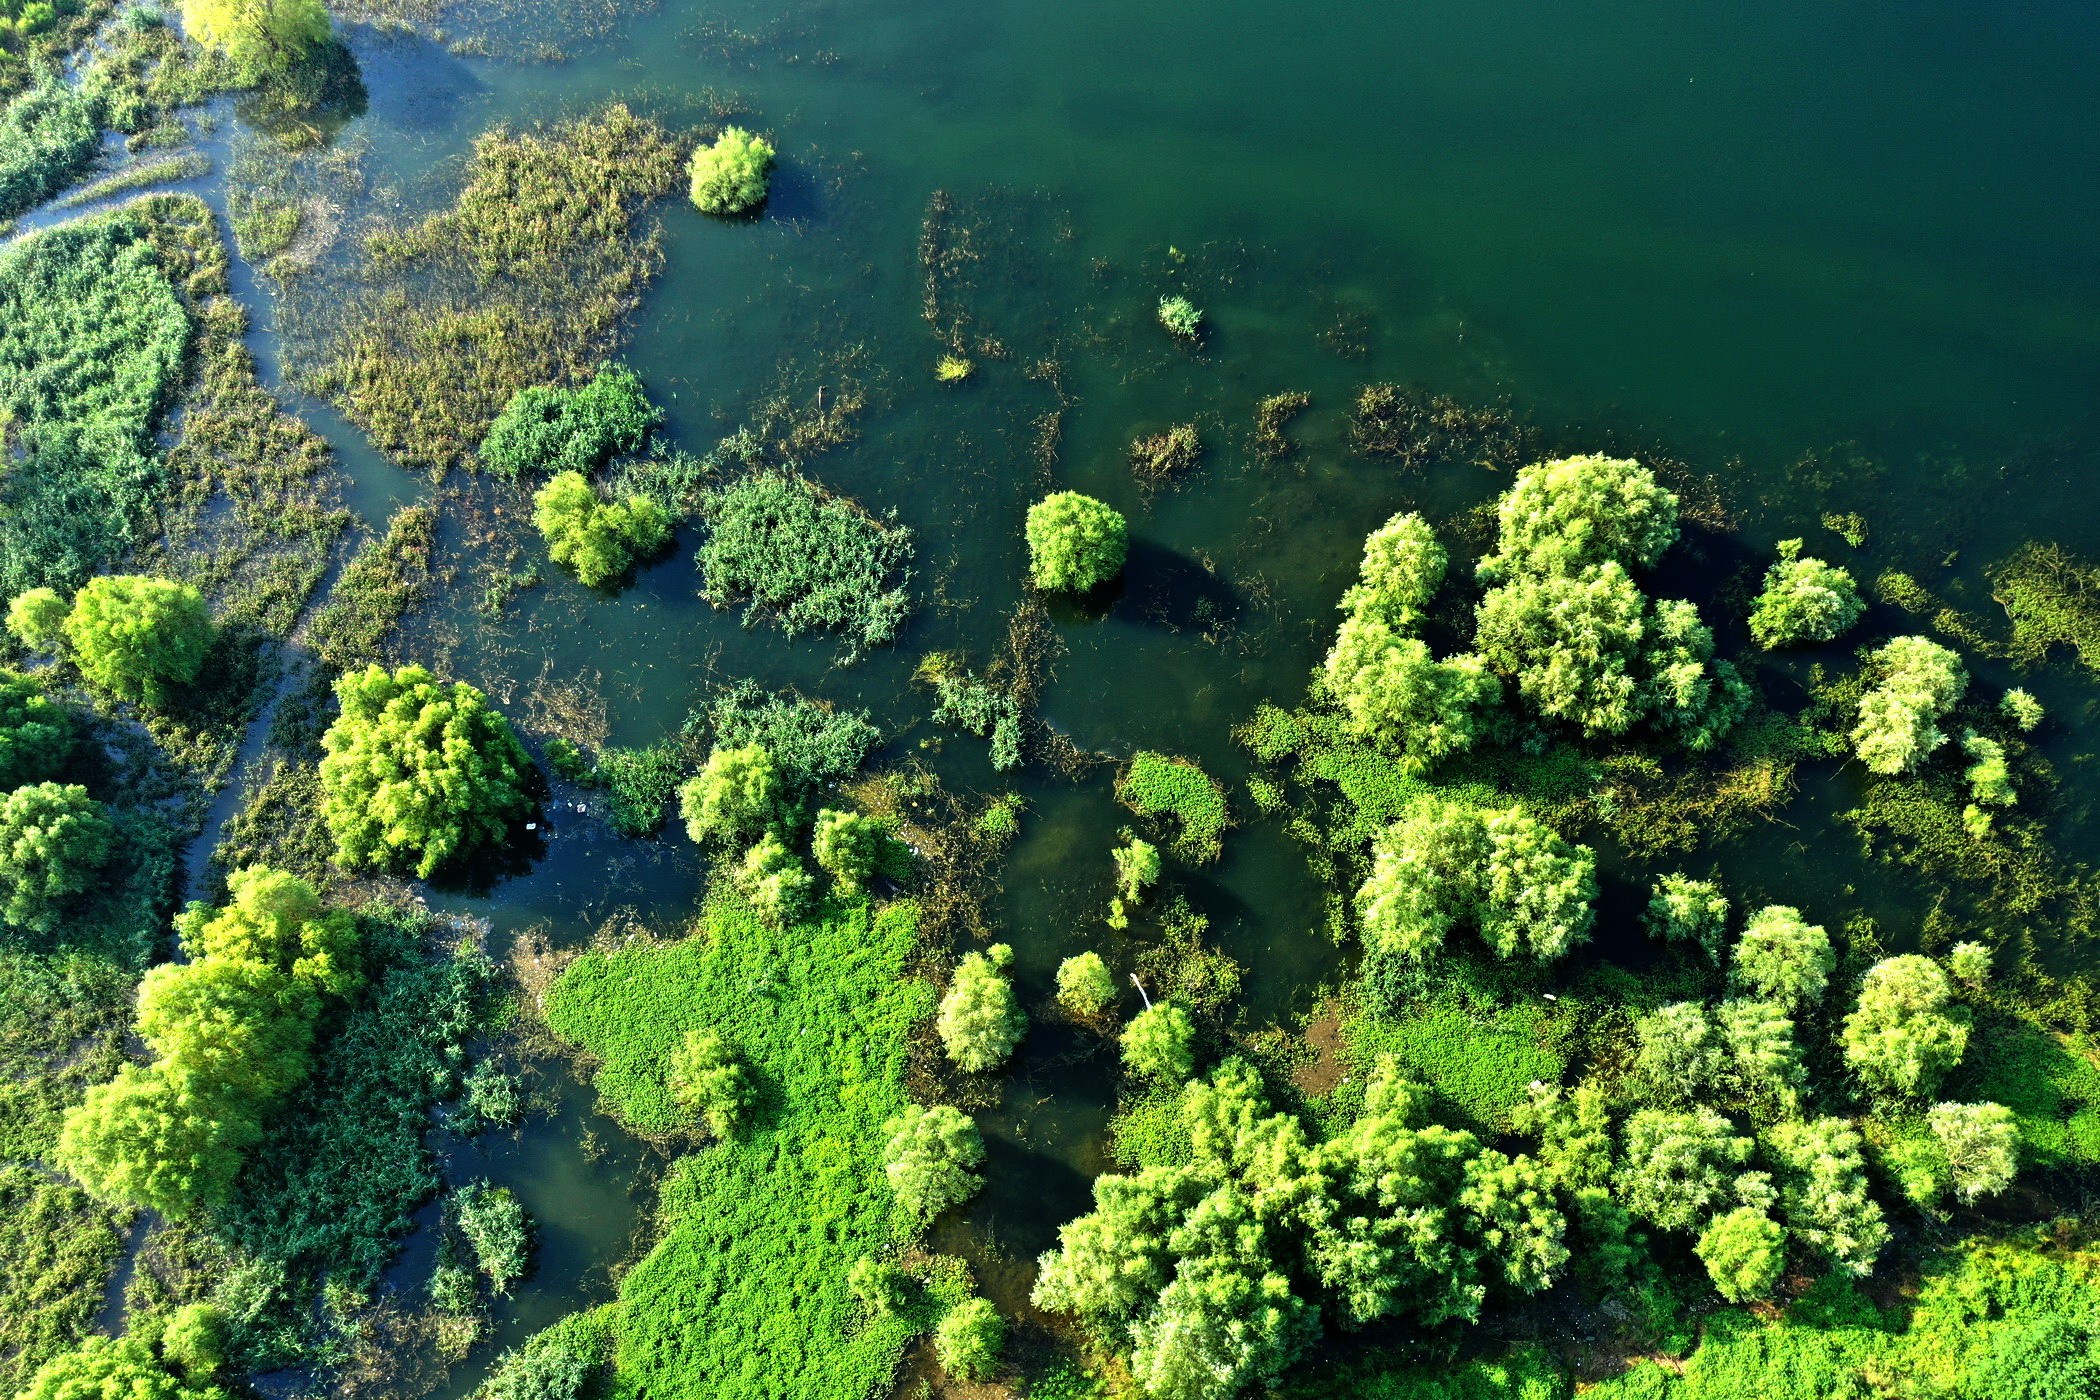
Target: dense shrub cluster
[
  {"x": 1804, "y": 600},
  {"x": 814, "y": 560},
  {"x": 571, "y": 430},
  {"x": 980, "y": 1019}
]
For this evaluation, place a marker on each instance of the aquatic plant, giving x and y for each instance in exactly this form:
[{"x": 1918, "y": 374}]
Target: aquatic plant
[
  {"x": 952, "y": 369},
  {"x": 571, "y": 430},
  {"x": 601, "y": 540},
  {"x": 2052, "y": 598},
  {"x": 1158, "y": 459},
  {"x": 1084, "y": 986},
  {"x": 1157, "y": 784},
  {"x": 811, "y": 559},
  {"x": 980, "y": 1020},
  {"x": 1804, "y": 600},
  {"x": 495, "y": 1228},
  {"x": 1180, "y": 316},
  {"x": 730, "y": 174},
  {"x": 812, "y": 743},
  {"x": 1075, "y": 543},
  {"x": 978, "y": 706},
  {"x": 1271, "y": 413},
  {"x": 417, "y": 773},
  {"x": 386, "y": 579},
  {"x": 48, "y": 134}
]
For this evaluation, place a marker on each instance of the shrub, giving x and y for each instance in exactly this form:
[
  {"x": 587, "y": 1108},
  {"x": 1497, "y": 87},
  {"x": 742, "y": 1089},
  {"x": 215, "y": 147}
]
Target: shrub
[
  {"x": 1678, "y": 1167},
  {"x": 1989, "y": 778},
  {"x": 853, "y": 849},
  {"x": 54, "y": 841},
  {"x": 816, "y": 561},
  {"x": 37, "y": 618},
  {"x": 1180, "y": 316},
  {"x": 1744, "y": 1252},
  {"x": 1681, "y": 909},
  {"x": 601, "y": 541},
  {"x": 1763, "y": 1057},
  {"x": 417, "y": 773},
  {"x": 279, "y": 921},
  {"x": 107, "y": 1368},
  {"x": 735, "y": 797},
  {"x": 1824, "y": 1192},
  {"x": 262, "y": 37},
  {"x": 1916, "y": 681},
  {"x": 1075, "y": 543},
  {"x": 156, "y": 1138},
  {"x": 1537, "y": 889},
  {"x": 1160, "y": 1043},
  {"x": 1981, "y": 1144},
  {"x": 36, "y": 732},
  {"x": 1782, "y": 957},
  {"x": 48, "y": 135},
  {"x": 1137, "y": 871},
  {"x": 812, "y": 745},
  {"x": 931, "y": 1159},
  {"x": 1572, "y": 513},
  {"x": 1905, "y": 1033},
  {"x": 1084, "y": 986},
  {"x": 2021, "y": 709},
  {"x": 971, "y": 1339},
  {"x": 1679, "y": 1053},
  {"x": 1397, "y": 695},
  {"x": 1154, "y": 784},
  {"x": 730, "y": 175},
  {"x": 1804, "y": 600},
  {"x": 774, "y": 880},
  {"x": 496, "y": 1229},
  {"x": 578, "y": 429},
  {"x": 138, "y": 637},
  {"x": 1445, "y": 864},
  {"x": 1970, "y": 963},
  {"x": 706, "y": 1078},
  {"x": 194, "y": 1340},
  {"x": 878, "y": 1285},
  {"x": 980, "y": 1021}
]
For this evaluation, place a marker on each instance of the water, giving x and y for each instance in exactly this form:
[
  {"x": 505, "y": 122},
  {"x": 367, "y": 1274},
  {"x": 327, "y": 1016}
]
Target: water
[{"x": 1754, "y": 237}]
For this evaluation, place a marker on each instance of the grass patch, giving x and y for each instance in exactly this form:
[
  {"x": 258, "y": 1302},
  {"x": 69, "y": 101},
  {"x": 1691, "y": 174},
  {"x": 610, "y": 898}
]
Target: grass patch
[
  {"x": 744, "y": 1295},
  {"x": 48, "y": 135},
  {"x": 388, "y": 579},
  {"x": 1154, "y": 784},
  {"x": 1529, "y": 1373},
  {"x": 2051, "y": 1085},
  {"x": 1481, "y": 1064}
]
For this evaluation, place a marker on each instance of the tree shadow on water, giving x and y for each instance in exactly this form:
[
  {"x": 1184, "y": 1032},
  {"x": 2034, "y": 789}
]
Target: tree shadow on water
[{"x": 1163, "y": 588}]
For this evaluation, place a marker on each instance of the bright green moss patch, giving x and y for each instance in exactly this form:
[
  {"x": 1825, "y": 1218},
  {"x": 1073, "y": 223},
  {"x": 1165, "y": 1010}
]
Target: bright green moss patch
[
  {"x": 744, "y": 1296},
  {"x": 1480, "y": 1065},
  {"x": 2052, "y": 1088},
  {"x": 1156, "y": 785},
  {"x": 1149, "y": 1130}
]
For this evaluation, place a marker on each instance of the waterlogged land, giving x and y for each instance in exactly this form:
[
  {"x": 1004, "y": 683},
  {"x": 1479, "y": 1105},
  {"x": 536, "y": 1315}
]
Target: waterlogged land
[{"x": 849, "y": 702}]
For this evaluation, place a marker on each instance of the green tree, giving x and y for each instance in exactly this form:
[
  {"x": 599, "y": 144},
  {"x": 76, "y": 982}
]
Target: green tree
[
  {"x": 1138, "y": 868},
  {"x": 1824, "y": 1192},
  {"x": 1084, "y": 986},
  {"x": 1782, "y": 957},
  {"x": 1573, "y": 1129},
  {"x": 1160, "y": 1043},
  {"x": 1538, "y": 888},
  {"x": 737, "y": 795},
  {"x": 138, "y": 637},
  {"x": 54, "y": 841},
  {"x": 279, "y": 921},
  {"x": 1402, "y": 566},
  {"x": 1677, "y": 1166},
  {"x": 1981, "y": 1142},
  {"x": 262, "y": 37},
  {"x": 419, "y": 773},
  {"x": 1217, "y": 1328},
  {"x": 931, "y": 1159},
  {"x": 1679, "y": 1055},
  {"x": 36, "y": 732},
  {"x": 1424, "y": 878},
  {"x": 1763, "y": 1057},
  {"x": 1113, "y": 1261},
  {"x": 775, "y": 881},
  {"x": 2020, "y": 708},
  {"x": 878, "y": 1285},
  {"x": 1565, "y": 515},
  {"x": 1990, "y": 776},
  {"x": 194, "y": 1340},
  {"x": 1075, "y": 543},
  {"x": 38, "y": 619},
  {"x": 1804, "y": 600},
  {"x": 707, "y": 1078},
  {"x": 1916, "y": 682},
  {"x": 1970, "y": 964},
  {"x": 159, "y": 1139},
  {"x": 1571, "y": 642},
  {"x": 240, "y": 1026},
  {"x": 853, "y": 849},
  {"x": 576, "y": 429},
  {"x": 600, "y": 540},
  {"x": 1905, "y": 1032},
  {"x": 1681, "y": 909},
  {"x": 980, "y": 1020},
  {"x": 113, "y": 1368},
  {"x": 1744, "y": 1252},
  {"x": 971, "y": 1339},
  {"x": 1520, "y": 1230},
  {"x": 730, "y": 175},
  {"x": 1397, "y": 695}
]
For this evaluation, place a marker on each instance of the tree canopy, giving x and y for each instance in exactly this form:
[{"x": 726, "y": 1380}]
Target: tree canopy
[
  {"x": 730, "y": 174},
  {"x": 138, "y": 637},
  {"x": 980, "y": 1019},
  {"x": 1906, "y": 1030},
  {"x": 36, "y": 732},
  {"x": 601, "y": 540},
  {"x": 1916, "y": 682},
  {"x": 1075, "y": 543},
  {"x": 931, "y": 1159},
  {"x": 1804, "y": 600},
  {"x": 54, "y": 841},
  {"x": 262, "y": 37}
]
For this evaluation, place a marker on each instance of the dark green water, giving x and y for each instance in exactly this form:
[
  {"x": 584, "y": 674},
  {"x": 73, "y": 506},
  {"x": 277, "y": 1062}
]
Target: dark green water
[{"x": 1745, "y": 236}]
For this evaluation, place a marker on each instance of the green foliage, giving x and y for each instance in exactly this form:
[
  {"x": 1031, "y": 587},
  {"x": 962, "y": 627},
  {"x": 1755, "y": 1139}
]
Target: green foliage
[
  {"x": 59, "y": 1246},
  {"x": 774, "y": 881},
  {"x": 2052, "y": 1088},
  {"x": 1160, "y": 1043},
  {"x": 812, "y": 745},
  {"x": 37, "y": 618},
  {"x": 262, "y": 37},
  {"x": 980, "y": 1020},
  {"x": 1569, "y": 514},
  {"x": 76, "y": 503},
  {"x": 1679, "y": 1055},
  {"x": 1153, "y": 784},
  {"x": 1180, "y": 316},
  {"x": 1075, "y": 543},
  {"x": 1397, "y": 695},
  {"x": 759, "y": 1233},
  {"x": 814, "y": 560},
  {"x": 1677, "y": 1167},
  {"x": 853, "y": 849},
  {"x": 1681, "y": 909},
  {"x": 639, "y": 785},
  {"x": 1989, "y": 778},
  {"x": 730, "y": 175},
  {"x": 735, "y": 797},
  {"x": 496, "y": 1229},
  {"x": 156, "y": 1138},
  {"x": 571, "y": 430},
  {"x": 1916, "y": 681},
  {"x": 1782, "y": 957},
  {"x": 106, "y": 1368},
  {"x": 1138, "y": 869},
  {"x": 418, "y": 773},
  {"x": 1823, "y": 1192},
  {"x": 36, "y": 732},
  {"x": 1530, "y": 1373},
  {"x": 48, "y": 134},
  {"x": 983, "y": 709},
  {"x": 138, "y": 637},
  {"x": 386, "y": 579},
  {"x": 1084, "y": 986},
  {"x": 2022, "y": 710},
  {"x": 1970, "y": 964},
  {"x": 601, "y": 541},
  {"x": 1980, "y": 1142},
  {"x": 556, "y": 1364},
  {"x": 878, "y": 1285},
  {"x": 1744, "y": 1252},
  {"x": 1804, "y": 600},
  {"x": 54, "y": 842},
  {"x": 971, "y": 1339},
  {"x": 931, "y": 1159},
  {"x": 707, "y": 1078},
  {"x": 194, "y": 1340},
  {"x": 1905, "y": 1033},
  {"x": 277, "y": 920},
  {"x": 2052, "y": 598},
  {"x": 1763, "y": 1056}
]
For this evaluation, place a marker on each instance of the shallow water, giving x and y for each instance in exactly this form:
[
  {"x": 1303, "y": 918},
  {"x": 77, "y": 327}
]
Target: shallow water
[{"x": 1743, "y": 235}]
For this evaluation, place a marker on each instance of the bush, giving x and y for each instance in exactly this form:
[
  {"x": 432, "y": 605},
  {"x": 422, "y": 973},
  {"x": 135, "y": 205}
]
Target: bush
[
  {"x": 1905, "y": 1033},
  {"x": 417, "y": 773},
  {"x": 276, "y": 920},
  {"x": 1782, "y": 957},
  {"x": 601, "y": 541},
  {"x": 1981, "y": 1144},
  {"x": 1677, "y": 1167},
  {"x": 1989, "y": 777},
  {"x": 812, "y": 745},
  {"x": 1160, "y": 1043},
  {"x": 816, "y": 561},
  {"x": 36, "y": 732},
  {"x": 194, "y": 1340},
  {"x": 1084, "y": 986},
  {"x": 1680, "y": 1055},
  {"x": 1804, "y": 600},
  {"x": 1155, "y": 784},
  {"x": 730, "y": 176},
  {"x": 853, "y": 849},
  {"x": 1137, "y": 871},
  {"x": 1445, "y": 864},
  {"x": 878, "y": 1285},
  {"x": 1744, "y": 1252},
  {"x": 1916, "y": 681},
  {"x": 931, "y": 1159},
  {"x": 496, "y": 1229},
  {"x": 1075, "y": 543},
  {"x": 774, "y": 880},
  {"x": 138, "y": 637},
  {"x": 48, "y": 135},
  {"x": 262, "y": 37},
  {"x": 980, "y": 1022},
  {"x": 1681, "y": 909},
  {"x": 971, "y": 1339},
  {"x": 1824, "y": 1193},
  {"x": 37, "y": 618},
  {"x": 571, "y": 430},
  {"x": 735, "y": 797},
  {"x": 54, "y": 841},
  {"x": 2021, "y": 709},
  {"x": 106, "y": 1368},
  {"x": 706, "y": 1078},
  {"x": 1180, "y": 316}
]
